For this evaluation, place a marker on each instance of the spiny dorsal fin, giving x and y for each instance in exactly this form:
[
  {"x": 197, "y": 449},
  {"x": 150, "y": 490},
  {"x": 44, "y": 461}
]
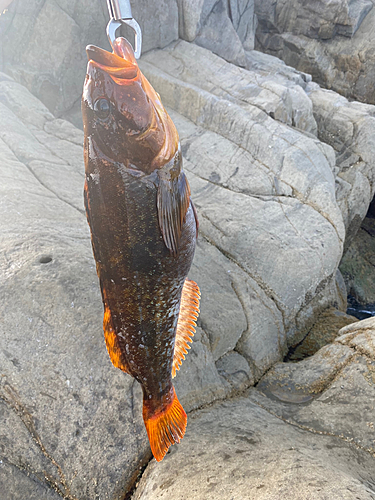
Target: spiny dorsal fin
[
  {"x": 173, "y": 201},
  {"x": 186, "y": 324}
]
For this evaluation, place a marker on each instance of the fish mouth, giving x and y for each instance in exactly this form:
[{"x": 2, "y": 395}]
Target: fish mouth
[{"x": 119, "y": 64}]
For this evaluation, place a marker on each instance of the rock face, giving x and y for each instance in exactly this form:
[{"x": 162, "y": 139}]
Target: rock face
[
  {"x": 358, "y": 264},
  {"x": 43, "y": 41},
  {"x": 330, "y": 40},
  {"x": 313, "y": 439},
  {"x": 274, "y": 201}
]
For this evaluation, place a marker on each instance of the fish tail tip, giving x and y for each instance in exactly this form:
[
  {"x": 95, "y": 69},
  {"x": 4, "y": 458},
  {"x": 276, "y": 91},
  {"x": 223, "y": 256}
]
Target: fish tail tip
[{"x": 165, "y": 426}]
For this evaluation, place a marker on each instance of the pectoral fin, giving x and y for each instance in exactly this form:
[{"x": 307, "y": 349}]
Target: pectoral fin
[
  {"x": 173, "y": 201},
  {"x": 186, "y": 324}
]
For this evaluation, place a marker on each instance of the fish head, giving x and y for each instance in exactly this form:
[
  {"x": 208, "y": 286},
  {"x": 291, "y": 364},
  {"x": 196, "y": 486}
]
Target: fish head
[{"x": 122, "y": 113}]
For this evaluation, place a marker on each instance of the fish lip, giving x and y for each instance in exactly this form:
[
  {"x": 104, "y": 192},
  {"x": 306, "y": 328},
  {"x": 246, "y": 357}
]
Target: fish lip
[{"x": 112, "y": 63}]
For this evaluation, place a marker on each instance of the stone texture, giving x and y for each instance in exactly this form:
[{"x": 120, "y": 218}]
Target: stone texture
[
  {"x": 358, "y": 264},
  {"x": 244, "y": 21},
  {"x": 348, "y": 128},
  {"x": 334, "y": 44},
  {"x": 324, "y": 331},
  {"x": 307, "y": 431},
  {"x": 219, "y": 35},
  {"x": 238, "y": 449},
  {"x": 43, "y": 42},
  {"x": 267, "y": 174},
  {"x": 61, "y": 400},
  {"x": 322, "y": 19}
]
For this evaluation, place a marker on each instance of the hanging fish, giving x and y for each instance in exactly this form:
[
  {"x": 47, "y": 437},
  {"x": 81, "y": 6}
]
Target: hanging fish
[{"x": 143, "y": 232}]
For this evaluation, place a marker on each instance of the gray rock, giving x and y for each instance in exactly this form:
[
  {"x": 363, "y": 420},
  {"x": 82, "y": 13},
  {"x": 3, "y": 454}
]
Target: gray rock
[
  {"x": 239, "y": 449},
  {"x": 304, "y": 36},
  {"x": 43, "y": 44},
  {"x": 281, "y": 96},
  {"x": 315, "y": 19},
  {"x": 236, "y": 370},
  {"x": 219, "y": 35},
  {"x": 348, "y": 128},
  {"x": 192, "y": 16},
  {"x": 260, "y": 175},
  {"x": 244, "y": 21},
  {"x": 358, "y": 264}
]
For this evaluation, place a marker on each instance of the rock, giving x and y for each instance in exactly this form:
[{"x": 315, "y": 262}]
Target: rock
[
  {"x": 219, "y": 35},
  {"x": 43, "y": 44},
  {"x": 358, "y": 264},
  {"x": 266, "y": 174},
  {"x": 244, "y": 21},
  {"x": 310, "y": 434},
  {"x": 334, "y": 44},
  {"x": 57, "y": 406},
  {"x": 238, "y": 449},
  {"x": 316, "y": 19},
  {"x": 300, "y": 382},
  {"x": 324, "y": 331},
  {"x": 347, "y": 127},
  {"x": 236, "y": 370}
]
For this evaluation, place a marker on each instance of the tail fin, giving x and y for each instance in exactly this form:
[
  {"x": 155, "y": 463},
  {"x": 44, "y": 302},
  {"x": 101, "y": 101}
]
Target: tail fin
[{"x": 165, "y": 425}]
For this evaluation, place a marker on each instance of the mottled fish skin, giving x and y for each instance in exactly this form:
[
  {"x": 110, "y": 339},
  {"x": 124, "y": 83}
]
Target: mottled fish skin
[{"x": 134, "y": 175}]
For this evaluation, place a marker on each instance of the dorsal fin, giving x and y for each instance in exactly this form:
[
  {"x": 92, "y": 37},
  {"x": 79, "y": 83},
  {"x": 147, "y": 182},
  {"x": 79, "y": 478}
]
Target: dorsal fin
[
  {"x": 186, "y": 324},
  {"x": 173, "y": 201}
]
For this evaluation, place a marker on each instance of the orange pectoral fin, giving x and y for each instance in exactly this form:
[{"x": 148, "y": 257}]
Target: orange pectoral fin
[
  {"x": 165, "y": 426},
  {"x": 186, "y": 324},
  {"x": 112, "y": 343}
]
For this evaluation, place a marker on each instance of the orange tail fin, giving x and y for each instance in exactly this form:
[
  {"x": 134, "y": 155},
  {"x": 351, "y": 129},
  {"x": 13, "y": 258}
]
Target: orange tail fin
[{"x": 165, "y": 425}]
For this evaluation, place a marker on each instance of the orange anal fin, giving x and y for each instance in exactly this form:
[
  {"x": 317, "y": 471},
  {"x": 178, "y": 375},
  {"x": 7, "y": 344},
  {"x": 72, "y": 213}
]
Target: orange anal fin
[
  {"x": 173, "y": 201},
  {"x": 112, "y": 343},
  {"x": 165, "y": 426},
  {"x": 186, "y": 324}
]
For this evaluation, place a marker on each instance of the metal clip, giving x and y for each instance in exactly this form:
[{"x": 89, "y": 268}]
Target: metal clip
[{"x": 120, "y": 12}]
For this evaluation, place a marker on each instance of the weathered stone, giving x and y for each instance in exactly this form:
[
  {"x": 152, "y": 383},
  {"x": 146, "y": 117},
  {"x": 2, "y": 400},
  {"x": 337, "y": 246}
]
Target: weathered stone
[
  {"x": 304, "y": 36},
  {"x": 261, "y": 172},
  {"x": 244, "y": 21},
  {"x": 299, "y": 382},
  {"x": 281, "y": 97},
  {"x": 348, "y": 128},
  {"x": 236, "y": 370},
  {"x": 358, "y": 264},
  {"x": 324, "y": 331},
  {"x": 238, "y": 449},
  {"x": 43, "y": 43},
  {"x": 219, "y": 36},
  {"x": 315, "y": 19}
]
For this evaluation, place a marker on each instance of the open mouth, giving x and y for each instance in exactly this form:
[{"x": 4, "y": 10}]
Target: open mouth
[{"x": 120, "y": 63}]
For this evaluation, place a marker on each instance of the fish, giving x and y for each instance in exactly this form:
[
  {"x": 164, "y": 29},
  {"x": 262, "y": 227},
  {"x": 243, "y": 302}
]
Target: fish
[{"x": 144, "y": 228}]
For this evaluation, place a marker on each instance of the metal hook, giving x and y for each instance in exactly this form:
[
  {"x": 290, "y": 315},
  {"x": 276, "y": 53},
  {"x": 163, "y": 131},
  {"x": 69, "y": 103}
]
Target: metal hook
[{"x": 120, "y": 13}]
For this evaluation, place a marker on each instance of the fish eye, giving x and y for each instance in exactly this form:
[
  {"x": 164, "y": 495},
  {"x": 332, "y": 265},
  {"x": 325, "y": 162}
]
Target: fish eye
[{"x": 102, "y": 108}]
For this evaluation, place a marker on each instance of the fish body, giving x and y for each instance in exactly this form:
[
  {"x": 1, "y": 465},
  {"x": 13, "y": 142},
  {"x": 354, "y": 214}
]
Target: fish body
[{"x": 143, "y": 231}]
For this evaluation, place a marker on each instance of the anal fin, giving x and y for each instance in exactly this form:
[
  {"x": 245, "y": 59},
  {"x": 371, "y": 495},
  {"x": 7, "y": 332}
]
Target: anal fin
[{"x": 186, "y": 324}]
